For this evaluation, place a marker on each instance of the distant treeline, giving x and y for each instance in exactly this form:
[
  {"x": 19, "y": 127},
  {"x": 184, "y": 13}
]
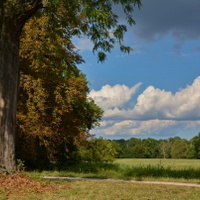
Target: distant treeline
[{"x": 175, "y": 147}]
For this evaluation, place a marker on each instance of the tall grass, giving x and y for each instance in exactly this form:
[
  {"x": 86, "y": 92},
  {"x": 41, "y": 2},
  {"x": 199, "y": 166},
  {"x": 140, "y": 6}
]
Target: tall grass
[
  {"x": 160, "y": 172},
  {"x": 160, "y": 168}
]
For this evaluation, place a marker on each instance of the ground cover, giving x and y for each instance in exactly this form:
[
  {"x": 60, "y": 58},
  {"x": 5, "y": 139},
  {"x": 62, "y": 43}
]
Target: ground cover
[
  {"x": 19, "y": 186},
  {"x": 40, "y": 189},
  {"x": 32, "y": 185}
]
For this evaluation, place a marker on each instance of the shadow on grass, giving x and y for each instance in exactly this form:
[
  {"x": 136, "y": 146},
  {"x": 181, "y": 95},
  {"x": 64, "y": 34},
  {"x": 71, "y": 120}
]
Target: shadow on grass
[
  {"x": 94, "y": 170},
  {"x": 110, "y": 170}
]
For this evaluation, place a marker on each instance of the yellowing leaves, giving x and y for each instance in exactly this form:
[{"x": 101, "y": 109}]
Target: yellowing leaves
[{"x": 53, "y": 110}]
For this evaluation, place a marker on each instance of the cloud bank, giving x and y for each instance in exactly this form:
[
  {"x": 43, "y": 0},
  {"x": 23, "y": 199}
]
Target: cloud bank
[
  {"x": 156, "y": 111},
  {"x": 158, "y": 18}
]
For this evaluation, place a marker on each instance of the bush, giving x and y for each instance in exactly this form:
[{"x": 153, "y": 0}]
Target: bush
[{"x": 98, "y": 150}]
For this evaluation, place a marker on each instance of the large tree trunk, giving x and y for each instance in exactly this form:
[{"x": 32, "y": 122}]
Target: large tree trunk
[
  {"x": 9, "y": 67},
  {"x": 13, "y": 15}
]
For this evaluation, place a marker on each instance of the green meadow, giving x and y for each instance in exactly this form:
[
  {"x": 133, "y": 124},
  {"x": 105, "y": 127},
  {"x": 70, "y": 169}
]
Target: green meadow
[
  {"x": 185, "y": 170},
  {"x": 172, "y": 163}
]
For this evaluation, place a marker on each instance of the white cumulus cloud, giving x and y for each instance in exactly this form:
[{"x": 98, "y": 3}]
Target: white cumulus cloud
[
  {"x": 131, "y": 127},
  {"x": 147, "y": 128},
  {"x": 113, "y": 96},
  {"x": 154, "y": 103},
  {"x": 156, "y": 112}
]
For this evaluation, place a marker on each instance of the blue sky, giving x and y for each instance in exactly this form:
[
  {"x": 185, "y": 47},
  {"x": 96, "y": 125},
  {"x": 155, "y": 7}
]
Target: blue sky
[{"x": 155, "y": 90}]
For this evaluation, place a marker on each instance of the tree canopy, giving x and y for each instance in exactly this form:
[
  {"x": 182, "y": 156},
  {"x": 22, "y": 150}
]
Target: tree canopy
[
  {"x": 95, "y": 19},
  {"x": 54, "y": 113}
]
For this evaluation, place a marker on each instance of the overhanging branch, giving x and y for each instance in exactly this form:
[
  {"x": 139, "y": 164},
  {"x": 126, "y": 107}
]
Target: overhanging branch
[{"x": 36, "y": 5}]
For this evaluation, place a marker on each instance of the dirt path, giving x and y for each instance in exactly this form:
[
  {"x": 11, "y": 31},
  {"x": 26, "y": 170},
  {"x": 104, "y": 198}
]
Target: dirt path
[{"x": 131, "y": 181}]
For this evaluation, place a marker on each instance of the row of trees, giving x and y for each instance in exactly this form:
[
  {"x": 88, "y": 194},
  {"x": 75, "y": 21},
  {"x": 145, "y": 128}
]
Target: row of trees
[
  {"x": 103, "y": 150},
  {"x": 164, "y": 148}
]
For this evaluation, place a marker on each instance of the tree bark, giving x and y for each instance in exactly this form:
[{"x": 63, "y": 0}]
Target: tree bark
[
  {"x": 11, "y": 24},
  {"x": 9, "y": 72}
]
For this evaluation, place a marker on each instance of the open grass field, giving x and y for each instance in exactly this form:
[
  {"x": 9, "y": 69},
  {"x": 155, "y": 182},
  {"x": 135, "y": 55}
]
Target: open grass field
[
  {"x": 31, "y": 185},
  {"x": 172, "y": 163}
]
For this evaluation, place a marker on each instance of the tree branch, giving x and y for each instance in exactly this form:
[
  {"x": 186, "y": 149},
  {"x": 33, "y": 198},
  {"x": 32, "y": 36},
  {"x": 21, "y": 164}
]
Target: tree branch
[{"x": 36, "y": 5}]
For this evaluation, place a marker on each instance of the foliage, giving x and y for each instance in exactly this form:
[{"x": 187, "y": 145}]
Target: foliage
[
  {"x": 97, "y": 20},
  {"x": 98, "y": 150},
  {"x": 168, "y": 148},
  {"x": 54, "y": 114},
  {"x": 152, "y": 149},
  {"x": 165, "y": 148},
  {"x": 196, "y": 146},
  {"x": 93, "y": 19},
  {"x": 179, "y": 148}
]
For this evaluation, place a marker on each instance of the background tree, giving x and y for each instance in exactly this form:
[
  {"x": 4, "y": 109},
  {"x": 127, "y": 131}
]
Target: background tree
[
  {"x": 118, "y": 149},
  {"x": 165, "y": 148},
  {"x": 151, "y": 147},
  {"x": 138, "y": 151},
  {"x": 179, "y": 148},
  {"x": 99, "y": 150},
  {"x": 196, "y": 146},
  {"x": 132, "y": 145},
  {"x": 95, "y": 19},
  {"x": 175, "y": 147},
  {"x": 190, "y": 151},
  {"x": 124, "y": 148},
  {"x": 132, "y": 148}
]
